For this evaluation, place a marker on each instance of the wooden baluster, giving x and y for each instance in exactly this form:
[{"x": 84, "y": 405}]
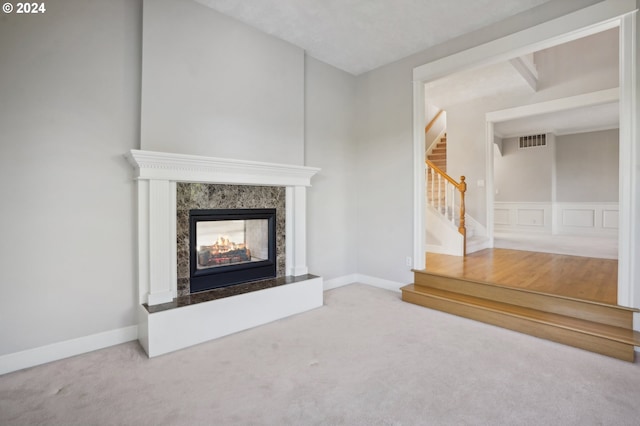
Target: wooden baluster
[
  {"x": 433, "y": 180},
  {"x": 453, "y": 204},
  {"x": 439, "y": 192},
  {"x": 426, "y": 183},
  {"x": 446, "y": 199},
  {"x": 452, "y": 208}
]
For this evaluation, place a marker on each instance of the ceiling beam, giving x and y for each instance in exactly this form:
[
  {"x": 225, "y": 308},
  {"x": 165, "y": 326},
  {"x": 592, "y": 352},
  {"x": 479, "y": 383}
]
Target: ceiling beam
[{"x": 527, "y": 69}]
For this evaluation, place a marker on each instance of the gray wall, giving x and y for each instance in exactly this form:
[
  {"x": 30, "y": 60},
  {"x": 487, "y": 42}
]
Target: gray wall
[
  {"x": 587, "y": 167},
  {"x": 523, "y": 175},
  {"x": 69, "y": 110},
  {"x": 267, "y": 103},
  {"x": 216, "y": 87},
  {"x": 330, "y": 145}
]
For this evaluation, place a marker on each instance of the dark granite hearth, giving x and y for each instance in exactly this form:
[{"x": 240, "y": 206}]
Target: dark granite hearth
[{"x": 222, "y": 292}]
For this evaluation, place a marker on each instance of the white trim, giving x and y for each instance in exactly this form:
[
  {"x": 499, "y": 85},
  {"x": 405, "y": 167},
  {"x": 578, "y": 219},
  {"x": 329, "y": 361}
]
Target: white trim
[
  {"x": 489, "y": 184},
  {"x": 629, "y": 161},
  {"x": 380, "y": 283},
  {"x": 419, "y": 170},
  {"x": 68, "y": 348},
  {"x": 525, "y": 67},
  {"x": 555, "y": 105},
  {"x": 577, "y": 131},
  {"x": 340, "y": 281},
  {"x": 194, "y": 168}
]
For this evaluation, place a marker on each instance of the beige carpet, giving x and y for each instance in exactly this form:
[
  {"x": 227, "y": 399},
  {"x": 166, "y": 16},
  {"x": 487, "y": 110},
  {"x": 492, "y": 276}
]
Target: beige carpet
[{"x": 365, "y": 358}]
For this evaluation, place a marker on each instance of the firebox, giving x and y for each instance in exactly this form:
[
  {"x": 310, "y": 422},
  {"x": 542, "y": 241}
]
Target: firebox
[{"x": 231, "y": 246}]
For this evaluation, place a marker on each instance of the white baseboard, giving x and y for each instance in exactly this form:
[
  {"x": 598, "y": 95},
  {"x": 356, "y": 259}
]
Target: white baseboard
[
  {"x": 55, "y": 351},
  {"x": 340, "y": 281},
  {"x": 432, "y": 248},
  {"x": 380, "y": 283},
  {"x": 363, "y": 279}
]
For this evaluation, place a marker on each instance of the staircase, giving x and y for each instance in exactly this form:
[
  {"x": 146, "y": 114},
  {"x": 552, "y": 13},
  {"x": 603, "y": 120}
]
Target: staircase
[
  {"x": 593, "y": 326},
  {"x": 446, "y": 231},
  {"x": 438, "y": 154}
]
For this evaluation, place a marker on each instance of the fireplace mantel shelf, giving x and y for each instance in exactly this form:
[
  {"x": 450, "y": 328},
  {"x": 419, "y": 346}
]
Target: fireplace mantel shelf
[{"x": 194, "y": 168}]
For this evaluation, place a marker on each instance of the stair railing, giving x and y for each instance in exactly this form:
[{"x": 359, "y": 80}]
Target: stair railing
[
  {"x": 441, "y": 190},
  {"x": 434, "y": 140}
]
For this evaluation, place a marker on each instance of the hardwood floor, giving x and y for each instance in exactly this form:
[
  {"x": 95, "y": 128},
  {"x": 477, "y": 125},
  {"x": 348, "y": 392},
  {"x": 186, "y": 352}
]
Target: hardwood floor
[
  {"x": 570, "y": 276},
  {"x": 562, "y": 298}
]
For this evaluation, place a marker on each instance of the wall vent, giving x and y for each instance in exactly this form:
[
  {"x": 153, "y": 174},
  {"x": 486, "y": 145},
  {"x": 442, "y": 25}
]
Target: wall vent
[{"x": 533, "y": 141}]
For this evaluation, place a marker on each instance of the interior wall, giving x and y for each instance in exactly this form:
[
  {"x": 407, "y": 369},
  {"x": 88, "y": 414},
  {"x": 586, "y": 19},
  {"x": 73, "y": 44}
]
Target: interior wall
[
  {"x": 216, "y": 87},
  {"x": 385, "y": 148},
  {"x": 523, "y": 175},
  {"x": 384, "y": 180},
  {"x": 69, "y": 111},
  {"x": 330, "y": 145},
  {"x": 583, "y": 65},
  {"x": 587, "y": 167}
]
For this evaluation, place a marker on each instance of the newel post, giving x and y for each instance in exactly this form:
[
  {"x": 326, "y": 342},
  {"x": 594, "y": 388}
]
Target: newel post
[{"x": 463, "y": 188}]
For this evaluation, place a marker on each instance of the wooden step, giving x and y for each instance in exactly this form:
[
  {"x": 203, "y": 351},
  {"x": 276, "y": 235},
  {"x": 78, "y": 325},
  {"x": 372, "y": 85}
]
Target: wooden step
[
  {"x": 436, "y": 157},
  {"x": 614, "y": 315},
  {"x": 439, "y": 151},
  {"x": 594, "y": 326}
]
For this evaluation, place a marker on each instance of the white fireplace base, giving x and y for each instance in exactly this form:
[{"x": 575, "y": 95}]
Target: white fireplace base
[{"x": 178, "y": 328}]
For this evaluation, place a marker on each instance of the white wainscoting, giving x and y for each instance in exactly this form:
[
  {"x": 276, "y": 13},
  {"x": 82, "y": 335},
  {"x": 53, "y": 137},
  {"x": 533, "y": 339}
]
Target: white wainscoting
[
  {"x": 522, "y": 217},
  {"x": 587, "y": 219},
  {"x": 557, "y": 218}
]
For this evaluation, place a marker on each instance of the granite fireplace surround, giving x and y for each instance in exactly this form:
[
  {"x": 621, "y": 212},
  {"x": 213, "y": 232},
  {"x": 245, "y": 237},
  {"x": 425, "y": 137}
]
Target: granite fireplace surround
[
  {"x": 169, "y": 185},
  {"x": 213, "y": 196}
]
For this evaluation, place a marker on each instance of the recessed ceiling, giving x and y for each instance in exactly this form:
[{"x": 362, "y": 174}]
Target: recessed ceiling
[{"x": 360, "y": 35}]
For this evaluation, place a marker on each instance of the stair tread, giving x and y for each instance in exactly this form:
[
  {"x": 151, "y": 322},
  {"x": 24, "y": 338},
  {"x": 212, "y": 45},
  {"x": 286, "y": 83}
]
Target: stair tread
[
  {"x": 619, "y": 334},
  {"x": 524, "y": 290}
]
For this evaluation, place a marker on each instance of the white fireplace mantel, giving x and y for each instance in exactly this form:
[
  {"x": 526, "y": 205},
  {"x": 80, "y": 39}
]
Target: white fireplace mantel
[
  {"x": 153, "y": 165},
  {"x": 157, "y": 174}
]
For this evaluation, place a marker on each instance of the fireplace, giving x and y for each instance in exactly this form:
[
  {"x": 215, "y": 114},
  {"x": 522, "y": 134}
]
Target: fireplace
[
  {"x": 231, "y": 246},
  {"x": 169, "y": 186}
]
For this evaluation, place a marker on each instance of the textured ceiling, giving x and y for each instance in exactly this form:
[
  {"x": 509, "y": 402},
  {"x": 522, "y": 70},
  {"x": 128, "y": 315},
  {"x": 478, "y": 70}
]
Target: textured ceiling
[{"x": 360, "y": 35}]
